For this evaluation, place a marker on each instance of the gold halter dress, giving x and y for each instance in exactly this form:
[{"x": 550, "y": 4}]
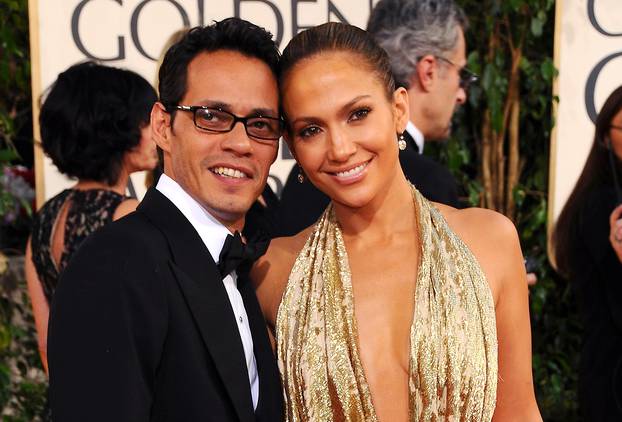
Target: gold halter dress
[{"x": 453, "y": 341}]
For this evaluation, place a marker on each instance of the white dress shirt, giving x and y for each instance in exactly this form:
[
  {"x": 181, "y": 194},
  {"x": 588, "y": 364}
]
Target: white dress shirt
[
  {"x": 416, "y": 134},
  {"x": 213, "y": 234}
]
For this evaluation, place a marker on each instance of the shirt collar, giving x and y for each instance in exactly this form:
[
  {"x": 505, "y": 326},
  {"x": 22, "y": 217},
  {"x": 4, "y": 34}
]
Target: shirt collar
[
  {"x": 416, "y": 135},
  {"x": 212, "y": 232}
]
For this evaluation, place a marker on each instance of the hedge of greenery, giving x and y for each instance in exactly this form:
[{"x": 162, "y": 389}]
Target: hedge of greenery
[{"x": 499, "y": 152}]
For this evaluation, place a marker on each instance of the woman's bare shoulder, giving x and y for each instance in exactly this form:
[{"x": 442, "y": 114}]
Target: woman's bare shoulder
[
  {"x": 480, "y": 223},
  {"x": 493, "y": 239},
  {"x": 271, "y": 272}
]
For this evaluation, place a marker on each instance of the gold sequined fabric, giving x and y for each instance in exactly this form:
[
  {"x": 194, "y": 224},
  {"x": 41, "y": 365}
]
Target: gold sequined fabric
[{"x": 453, "y": 342}]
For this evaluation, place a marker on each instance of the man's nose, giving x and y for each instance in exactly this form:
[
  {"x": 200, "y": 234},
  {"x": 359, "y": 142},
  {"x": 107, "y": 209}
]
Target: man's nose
[
  {"x": 237, "y": 139},
  {"x": 462, "y": 96}
]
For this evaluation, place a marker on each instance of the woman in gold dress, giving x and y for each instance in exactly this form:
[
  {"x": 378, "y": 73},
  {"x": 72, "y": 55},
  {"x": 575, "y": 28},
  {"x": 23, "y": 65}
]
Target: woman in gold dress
[{"x": 390, "y": 307}]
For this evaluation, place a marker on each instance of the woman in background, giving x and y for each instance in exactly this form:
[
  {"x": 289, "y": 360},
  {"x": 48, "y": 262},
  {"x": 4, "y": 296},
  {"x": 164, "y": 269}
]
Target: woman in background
[
  {"x": 588, "y": 251},
  {"x": 390, "y": 307},
  {"x": 95, "y": 128}
]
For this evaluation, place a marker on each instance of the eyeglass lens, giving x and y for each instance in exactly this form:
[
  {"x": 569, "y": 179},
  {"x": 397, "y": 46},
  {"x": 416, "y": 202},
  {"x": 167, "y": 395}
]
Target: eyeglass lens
[{"x": 222, "y": 121}]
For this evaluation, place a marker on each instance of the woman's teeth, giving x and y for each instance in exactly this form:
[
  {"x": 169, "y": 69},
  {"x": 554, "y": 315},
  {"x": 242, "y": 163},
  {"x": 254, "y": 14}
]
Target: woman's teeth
[{"x": 352, "y": 171}]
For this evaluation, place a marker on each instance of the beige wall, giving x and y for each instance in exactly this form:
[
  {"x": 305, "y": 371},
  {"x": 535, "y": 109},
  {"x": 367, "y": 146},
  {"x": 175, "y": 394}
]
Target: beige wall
[
  {"x": 588, "y": 54},
  {"x": 131, "y": 33}
]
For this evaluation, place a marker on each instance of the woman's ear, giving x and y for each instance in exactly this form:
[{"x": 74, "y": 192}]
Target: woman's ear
[
  {"x": 161, "y": 129},
  {"x": 401, "y": 109}
]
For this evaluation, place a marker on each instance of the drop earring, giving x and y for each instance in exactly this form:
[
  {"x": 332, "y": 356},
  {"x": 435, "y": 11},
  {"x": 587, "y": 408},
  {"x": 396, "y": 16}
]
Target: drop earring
[
  {"x": 301, "y": 175},
  {"x": 401, "y": 142}
]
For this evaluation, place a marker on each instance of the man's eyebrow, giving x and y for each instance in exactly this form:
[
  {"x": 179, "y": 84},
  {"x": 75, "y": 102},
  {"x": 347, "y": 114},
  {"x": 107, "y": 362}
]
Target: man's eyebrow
[
  {"x": 266, "y": 112},
  {"x": 215, "y": 104},
  {"x": 258, "y": 111}
]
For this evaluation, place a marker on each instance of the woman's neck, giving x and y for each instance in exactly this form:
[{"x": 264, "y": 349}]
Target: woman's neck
[
  {"x": 390, "y": 212},
  {"x": 118, "y": 187}
]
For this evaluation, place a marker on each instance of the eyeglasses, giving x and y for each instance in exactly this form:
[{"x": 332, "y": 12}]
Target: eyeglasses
[
  {"x": 466, "y": 76},
  {"x": 217, "y": 120},
  {"x": 615, "y": 127}
]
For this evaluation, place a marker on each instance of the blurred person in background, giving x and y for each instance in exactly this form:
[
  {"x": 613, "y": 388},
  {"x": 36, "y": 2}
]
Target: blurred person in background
[
  {"x": 95, "y": 128},
  {"x": 587, "y": 243}
]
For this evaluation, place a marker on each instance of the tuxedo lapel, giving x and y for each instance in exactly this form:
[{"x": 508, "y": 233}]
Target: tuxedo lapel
[
  {"x": 205, "y": 294},
  {"x": 411, "y": 145},
  {"x": 269, "y": 382}
]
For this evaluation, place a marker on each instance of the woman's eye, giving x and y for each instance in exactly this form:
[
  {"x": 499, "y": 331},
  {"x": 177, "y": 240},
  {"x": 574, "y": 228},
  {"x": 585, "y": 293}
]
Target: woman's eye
[
  {"x": 309, "y": 131},
  {"x": 359, "y": 114}
]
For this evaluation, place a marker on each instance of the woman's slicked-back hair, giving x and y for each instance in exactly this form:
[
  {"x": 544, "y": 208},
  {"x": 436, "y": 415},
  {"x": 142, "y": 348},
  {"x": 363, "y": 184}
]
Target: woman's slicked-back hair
[
  {"x": 91, "y": 117},
  {"x": 338, "y": 37},
  {"x": 410, "y": 29},
  {"x": 596, "y": 173},
  {"x": 232, "y": 34}
]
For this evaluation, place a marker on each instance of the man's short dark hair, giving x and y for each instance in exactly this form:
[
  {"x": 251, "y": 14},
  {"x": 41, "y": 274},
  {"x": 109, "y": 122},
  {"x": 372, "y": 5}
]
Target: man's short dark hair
[
  {"x": 232, "y": 34},
  {"x": 91, "y": 117}
]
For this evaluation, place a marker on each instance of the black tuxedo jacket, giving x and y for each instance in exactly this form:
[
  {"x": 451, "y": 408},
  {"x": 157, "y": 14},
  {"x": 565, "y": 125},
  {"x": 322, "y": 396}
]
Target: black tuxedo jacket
[
  {"x": 302, "y": 203},
  {"x": 141, "y": 329}
]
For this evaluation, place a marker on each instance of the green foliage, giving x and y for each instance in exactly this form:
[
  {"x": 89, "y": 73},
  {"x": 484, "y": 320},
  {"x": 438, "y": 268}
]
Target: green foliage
[
  {"x": 22, "y": 382},
  {"x": 15, "y": 94},
  {"x": 15, "y": 123},
  {"x": 556, "y": 329}
]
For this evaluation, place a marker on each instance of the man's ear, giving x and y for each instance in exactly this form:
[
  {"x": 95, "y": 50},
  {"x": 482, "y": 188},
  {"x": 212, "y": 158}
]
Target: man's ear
[
  {"x": 426, "y": 73},
  {"x": 401, "y": 109},
  {"x": 161, "y": 129}
]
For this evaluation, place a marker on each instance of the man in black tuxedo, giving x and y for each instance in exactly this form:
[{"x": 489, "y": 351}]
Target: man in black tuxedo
[
  {"x": 425, "y": 43},
  {"x": 151, "y": 320}
]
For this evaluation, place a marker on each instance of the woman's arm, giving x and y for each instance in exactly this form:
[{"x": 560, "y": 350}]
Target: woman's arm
[
  {"x": 40, "y": 307},
  {"x": 515, "y": 392},
  {"x": 494, "y": 241}
]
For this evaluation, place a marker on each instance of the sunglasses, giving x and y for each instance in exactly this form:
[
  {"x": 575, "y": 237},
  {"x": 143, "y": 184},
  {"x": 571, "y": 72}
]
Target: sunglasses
[{"x": 467, "y": 77}]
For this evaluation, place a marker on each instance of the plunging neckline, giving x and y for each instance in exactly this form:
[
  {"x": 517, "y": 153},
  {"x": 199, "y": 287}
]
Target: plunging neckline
[
  {"x": 423, "y": 264},
  {"x": 452, "y": 340}
]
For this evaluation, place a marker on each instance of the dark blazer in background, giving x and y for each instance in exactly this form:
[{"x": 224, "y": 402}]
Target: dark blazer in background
[
  {"x": 302, "y": 203},
  {"x": 141, "y": 329}
]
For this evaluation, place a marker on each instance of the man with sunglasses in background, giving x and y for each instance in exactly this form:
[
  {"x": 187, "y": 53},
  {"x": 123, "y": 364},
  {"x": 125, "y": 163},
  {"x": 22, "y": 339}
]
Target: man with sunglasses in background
[
  {"x": 154, "y": 319},
  {"x": 425, "y": 43}
]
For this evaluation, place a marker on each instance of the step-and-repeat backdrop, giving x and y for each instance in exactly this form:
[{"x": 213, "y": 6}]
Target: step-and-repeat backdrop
[
  {"x": 132, "y": 33},
  {"x": 588, "y": 54}
]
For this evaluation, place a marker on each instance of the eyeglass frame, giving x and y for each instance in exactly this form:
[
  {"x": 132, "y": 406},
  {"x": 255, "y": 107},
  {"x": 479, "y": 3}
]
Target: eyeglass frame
[
  {"x": 236, "y": 119},
  {"x": 467, "y": 79},
  {"x": 612, "y": 126}
]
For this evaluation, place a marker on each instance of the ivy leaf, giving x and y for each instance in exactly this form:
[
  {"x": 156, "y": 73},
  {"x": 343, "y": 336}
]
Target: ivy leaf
[
  {"x": 7, "y": 155},
  {"x": 548, "y": 70},
  {"x": 536, "y": 26}
]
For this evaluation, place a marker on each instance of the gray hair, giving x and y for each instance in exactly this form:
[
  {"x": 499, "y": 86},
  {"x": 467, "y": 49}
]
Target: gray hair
[{"x": 410, "y": 29}]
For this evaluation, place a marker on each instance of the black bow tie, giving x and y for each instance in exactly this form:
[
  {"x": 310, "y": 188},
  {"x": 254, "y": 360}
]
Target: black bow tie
[{"x": 235, "y": 253}]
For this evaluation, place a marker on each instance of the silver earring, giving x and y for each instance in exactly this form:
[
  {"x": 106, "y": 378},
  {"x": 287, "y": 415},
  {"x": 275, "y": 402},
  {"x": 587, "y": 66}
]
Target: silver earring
[
  {"x": 401, "y": 142},
  {"x": 301, "y": 175}
]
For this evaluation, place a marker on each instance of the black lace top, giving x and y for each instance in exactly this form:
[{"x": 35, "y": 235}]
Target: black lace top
[{"x": 88, "y": 211}]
